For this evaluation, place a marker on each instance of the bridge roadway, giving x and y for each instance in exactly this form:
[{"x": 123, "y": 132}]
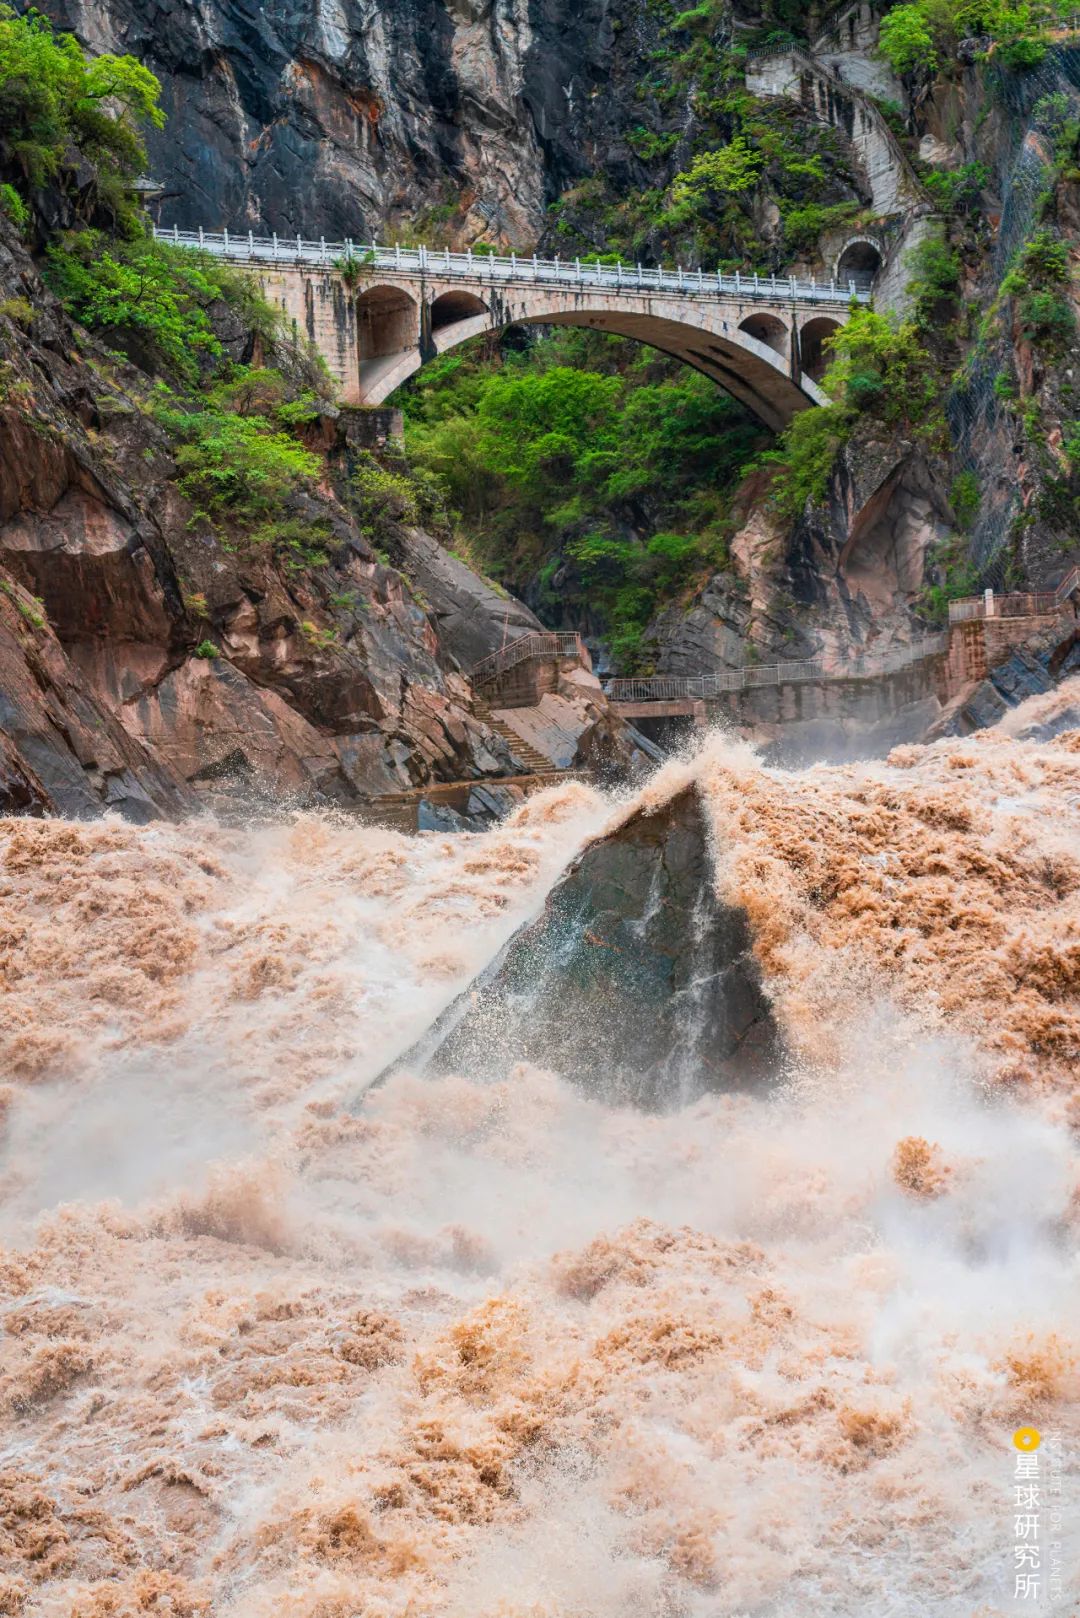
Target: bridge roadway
[{"x": 377, "y": 314}]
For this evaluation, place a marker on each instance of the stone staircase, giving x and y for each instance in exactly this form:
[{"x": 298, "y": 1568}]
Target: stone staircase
[{"x": 533, "y": 761}]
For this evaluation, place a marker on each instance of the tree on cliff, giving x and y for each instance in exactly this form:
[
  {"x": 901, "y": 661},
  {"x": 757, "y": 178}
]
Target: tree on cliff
[{"x": 61, "y": 110}]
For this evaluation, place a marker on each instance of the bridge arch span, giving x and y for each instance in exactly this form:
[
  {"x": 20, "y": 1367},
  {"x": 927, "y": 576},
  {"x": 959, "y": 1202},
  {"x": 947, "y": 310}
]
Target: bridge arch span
[
  {"x": 450, "y": 307},
  {"x": 746, "y": 352}
]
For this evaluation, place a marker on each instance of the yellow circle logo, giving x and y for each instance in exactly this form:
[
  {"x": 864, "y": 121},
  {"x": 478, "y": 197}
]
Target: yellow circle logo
[{"x": 1027, "y": 1438}]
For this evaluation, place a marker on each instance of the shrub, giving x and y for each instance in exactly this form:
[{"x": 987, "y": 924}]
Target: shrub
[
  {"x": 1047, "y": 321},
  {"x": 13, "y": 205},
  {"x": 155, "y": 297},
  {"x": 935, "y": 276},
  {"x": 207, "y": 650},
  {"x": 956, "y": 576},
  {"x": 238, "y": 472},
  {"x": 1043, "y": 262},
  {"x": 958, "y": 190},
  {"x": 907, "y": 41},
  {"x": 884, "y": 366},
  {"x": 727, "y": 171},
  {"x": 18, "y": 310},
  {"x": 922, "y": 34},
  {"x": 805, "y": 456},
  {"x": 385, "y": 497},
  {"x": 965, "y": 497}
]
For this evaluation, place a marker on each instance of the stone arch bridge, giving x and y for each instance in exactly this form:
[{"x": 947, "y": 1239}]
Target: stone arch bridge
[{"x": 378, "y": 314}]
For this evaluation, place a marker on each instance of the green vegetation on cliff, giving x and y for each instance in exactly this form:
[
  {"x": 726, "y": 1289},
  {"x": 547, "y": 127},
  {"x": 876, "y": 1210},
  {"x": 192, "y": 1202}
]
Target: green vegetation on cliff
[
  {"x": 154, "y": 301},
  {"x": 588, "y": 460},
  {"x": 60, "y": 107},
  {"x": 925, "y": 35},
  {"x": 709, "y": 154}
]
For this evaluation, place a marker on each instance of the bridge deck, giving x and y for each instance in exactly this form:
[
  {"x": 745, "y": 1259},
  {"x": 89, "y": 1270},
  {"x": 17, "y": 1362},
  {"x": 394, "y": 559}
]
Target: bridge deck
[{"x": 485, "y": 269}]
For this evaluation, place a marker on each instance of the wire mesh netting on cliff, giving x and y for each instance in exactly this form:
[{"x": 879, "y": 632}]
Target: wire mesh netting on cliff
[{"x": 983, "y": 425}]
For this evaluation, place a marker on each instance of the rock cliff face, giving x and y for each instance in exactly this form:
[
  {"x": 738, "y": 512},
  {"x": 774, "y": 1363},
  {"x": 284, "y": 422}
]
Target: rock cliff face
[
  {"x": 347, "y": 117},
  {"x": 459, "y": 119},
  {"x": 634, "y": 947},
  {"x": 142, "y": 662}
]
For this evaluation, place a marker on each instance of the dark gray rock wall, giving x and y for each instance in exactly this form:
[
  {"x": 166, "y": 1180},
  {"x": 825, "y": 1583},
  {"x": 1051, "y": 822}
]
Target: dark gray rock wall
[{"x": 354, "y": 117}]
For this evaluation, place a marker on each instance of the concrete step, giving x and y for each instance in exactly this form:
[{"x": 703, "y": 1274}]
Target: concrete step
[{"x": 535, "y": 762}]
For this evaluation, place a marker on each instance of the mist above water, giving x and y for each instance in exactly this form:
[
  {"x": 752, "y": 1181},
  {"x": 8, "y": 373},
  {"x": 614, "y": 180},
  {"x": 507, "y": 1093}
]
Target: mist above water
[{"x": 277, "y": 1341}]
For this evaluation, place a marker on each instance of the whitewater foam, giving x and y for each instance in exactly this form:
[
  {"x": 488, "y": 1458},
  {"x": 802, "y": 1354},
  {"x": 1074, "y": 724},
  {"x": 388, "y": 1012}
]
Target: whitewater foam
[{"x": 501, "y": 1349}]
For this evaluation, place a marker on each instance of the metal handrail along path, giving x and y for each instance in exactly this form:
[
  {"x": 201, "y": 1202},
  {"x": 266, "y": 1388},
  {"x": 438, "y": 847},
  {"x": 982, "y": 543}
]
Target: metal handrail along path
[
  {"x": 554, "y": 643},
  {"x": 699, "y": 687},
  {"x": 1016, "y": 604}
]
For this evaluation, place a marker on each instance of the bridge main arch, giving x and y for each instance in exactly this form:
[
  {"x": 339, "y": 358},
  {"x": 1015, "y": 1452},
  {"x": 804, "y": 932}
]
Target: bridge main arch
[
  {"x": 377, "y": 314},
  {"x": 750, "y": 352}
]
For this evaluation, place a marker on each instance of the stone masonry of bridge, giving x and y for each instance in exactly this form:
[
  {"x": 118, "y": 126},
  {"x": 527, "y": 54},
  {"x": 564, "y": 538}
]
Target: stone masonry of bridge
[{"x": 378, "y": 316}]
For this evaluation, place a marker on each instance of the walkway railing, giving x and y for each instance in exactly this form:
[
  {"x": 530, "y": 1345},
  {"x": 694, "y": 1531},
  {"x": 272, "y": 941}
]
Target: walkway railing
[
  {"x": 554, "y": 644},
  {"x": 1018, "y": 604},
  {"x": 698, "y": 688},
  {"x": 418, "y": 262}
]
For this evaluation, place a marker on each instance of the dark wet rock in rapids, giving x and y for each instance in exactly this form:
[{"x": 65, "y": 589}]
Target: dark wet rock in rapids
[{"x": 636, "y": 982}]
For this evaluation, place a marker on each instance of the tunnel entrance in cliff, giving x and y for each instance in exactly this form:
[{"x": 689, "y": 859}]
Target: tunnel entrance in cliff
[{"x": 859, "y": 264}]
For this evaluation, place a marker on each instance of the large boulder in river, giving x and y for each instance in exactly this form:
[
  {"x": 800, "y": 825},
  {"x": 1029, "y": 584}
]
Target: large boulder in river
[{"x": 636, "y": 982}]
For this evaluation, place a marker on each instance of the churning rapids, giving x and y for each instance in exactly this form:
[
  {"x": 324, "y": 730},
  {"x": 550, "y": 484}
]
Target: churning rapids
[{"x": 279, "y": 1341}]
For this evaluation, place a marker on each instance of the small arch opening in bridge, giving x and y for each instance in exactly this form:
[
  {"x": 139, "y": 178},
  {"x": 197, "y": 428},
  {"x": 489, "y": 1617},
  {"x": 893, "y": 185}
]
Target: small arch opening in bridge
[
  {"x": 814, "y": 356},
  {"x": 767, "y": 329},
  {"x": 451, "y": 307},
  {"x": 859, "y": 262},
  {"x": 387, "y": 322}
]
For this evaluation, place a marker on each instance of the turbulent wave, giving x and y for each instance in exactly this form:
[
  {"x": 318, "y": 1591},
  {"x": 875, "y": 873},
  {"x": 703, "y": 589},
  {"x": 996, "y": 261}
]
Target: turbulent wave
[{"x": 500, "y": 1349}]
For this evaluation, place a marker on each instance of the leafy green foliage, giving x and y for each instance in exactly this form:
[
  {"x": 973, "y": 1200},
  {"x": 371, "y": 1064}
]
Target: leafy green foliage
[
  {"x": 1038, "y": 279},
  {"x": 207, "y": 651},
  {"x": 385, "y": 497},
  {"x": 237, "y": 471},
  {"x": 923, "y": 35},
  {"x": 587, "y": 459},
  {"x": 19, "y": 310},
  {"x": 1047, "y": 320},
  {"x": 958, "y": 190},
  {"x": 935, "y": 277},
  {"x": 58, "y": 105},
  {"x": 880, "y": 368},
  {"x": 965, "y": 497},
  {"x": 723, "y": 172},
  {"x": 952, "y": 574},
  {"x": 240, "y": 465},
  {"x": 805, "y": 457},
  {"x": 152, "y": 297},
  {"x": 13, "y": 205},
  {"x": 883, "y": 366},
  {"x": 907, "y": 38}
]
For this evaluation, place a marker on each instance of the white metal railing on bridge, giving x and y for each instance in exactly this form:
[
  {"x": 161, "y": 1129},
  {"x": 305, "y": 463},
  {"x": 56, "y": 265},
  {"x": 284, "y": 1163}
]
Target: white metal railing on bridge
[
  {"x": 546, "y": 644},
  {"x": 369, "y": 259},
  {"x": 1017, "y": 604},
  {"x": 700, "y": 687}
]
